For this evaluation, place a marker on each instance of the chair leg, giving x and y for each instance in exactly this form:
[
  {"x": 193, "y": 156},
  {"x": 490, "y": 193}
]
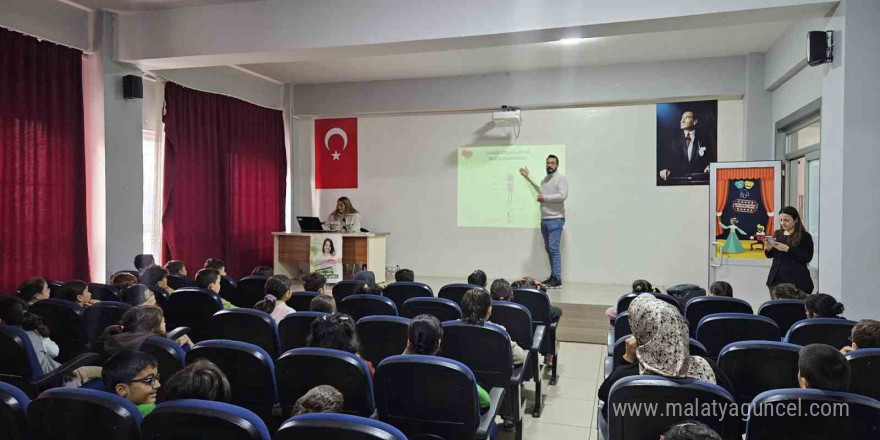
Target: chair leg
[
  {"x": 519, "y": 430},
  {"x": 553, "y": 375},
  {"x": 539, "y": 405}
]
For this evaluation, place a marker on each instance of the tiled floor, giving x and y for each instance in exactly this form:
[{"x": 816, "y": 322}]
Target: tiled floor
[{"x": 570, "y": 405}]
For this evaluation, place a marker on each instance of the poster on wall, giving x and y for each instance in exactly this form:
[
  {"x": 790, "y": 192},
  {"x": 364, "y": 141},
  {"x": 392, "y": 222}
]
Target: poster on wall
[
  {"x": 745, "y": 202},
  {"x": 686, "y": 142},
  {"x": 325, "y": 256}
]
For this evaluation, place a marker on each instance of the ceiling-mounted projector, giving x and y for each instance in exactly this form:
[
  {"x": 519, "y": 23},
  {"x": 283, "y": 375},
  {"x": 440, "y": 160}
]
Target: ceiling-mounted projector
[{"x": 507, "y": 117}]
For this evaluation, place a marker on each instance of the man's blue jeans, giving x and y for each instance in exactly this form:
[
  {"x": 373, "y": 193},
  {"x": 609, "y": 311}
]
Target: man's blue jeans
[{"x": 551, "y": 229}]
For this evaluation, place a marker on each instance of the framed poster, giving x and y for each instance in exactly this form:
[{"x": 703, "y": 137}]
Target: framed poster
[
  {"x": 325, "y": 256},
  {"x": 686, "y": 142}
]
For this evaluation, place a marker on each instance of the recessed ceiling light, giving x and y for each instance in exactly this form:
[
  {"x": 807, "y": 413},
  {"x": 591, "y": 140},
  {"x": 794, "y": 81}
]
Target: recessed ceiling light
[{"x": 571, "y": 41}]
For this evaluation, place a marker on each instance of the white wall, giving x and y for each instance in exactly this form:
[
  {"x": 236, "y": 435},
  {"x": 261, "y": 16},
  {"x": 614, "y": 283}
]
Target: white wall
[
  {"x": 49, "y": 20},
  {"x": 408, "y": 186}
]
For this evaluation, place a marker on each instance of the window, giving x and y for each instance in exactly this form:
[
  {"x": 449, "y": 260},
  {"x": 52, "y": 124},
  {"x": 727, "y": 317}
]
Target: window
[
  {"x": 801, "y": 161},
  {"x": 149, "y": 190}
]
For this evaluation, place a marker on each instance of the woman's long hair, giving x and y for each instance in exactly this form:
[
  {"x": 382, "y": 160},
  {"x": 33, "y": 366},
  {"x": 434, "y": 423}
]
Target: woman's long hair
[
  {"x": 424, "y": 334},
  {"x": 349, "y": 209},
  {"x": 138, "y": 319},
  {"x": 13, "y": 311},
  {"x": 332, "y": 247},
  {"x": 823, "y": 305},
  {"x": 795, "y": 238}
]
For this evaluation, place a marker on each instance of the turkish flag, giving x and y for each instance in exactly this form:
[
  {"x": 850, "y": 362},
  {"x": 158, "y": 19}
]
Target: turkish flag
[{"x": 336, "y": 153}]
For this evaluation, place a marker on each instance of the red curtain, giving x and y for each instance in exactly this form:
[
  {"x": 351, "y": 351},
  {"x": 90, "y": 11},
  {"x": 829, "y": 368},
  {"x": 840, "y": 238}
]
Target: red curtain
[
  {"x": 764, "y": 175},
  {"x": 42, "y": 162},
  {"x": 225, "y": 171}
]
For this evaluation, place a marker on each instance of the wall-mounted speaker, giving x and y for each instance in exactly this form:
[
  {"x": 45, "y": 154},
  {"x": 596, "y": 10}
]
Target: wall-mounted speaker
[
  {"x": 820, "y": 47},
  {"x": 132, "y": 87}
]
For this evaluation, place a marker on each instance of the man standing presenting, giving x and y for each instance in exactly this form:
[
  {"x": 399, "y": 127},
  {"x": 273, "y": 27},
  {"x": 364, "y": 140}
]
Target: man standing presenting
[{"x": 551, "y": 194}]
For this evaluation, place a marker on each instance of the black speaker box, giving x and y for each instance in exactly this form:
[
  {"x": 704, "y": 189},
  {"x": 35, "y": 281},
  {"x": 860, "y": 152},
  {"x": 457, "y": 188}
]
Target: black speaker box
[
  {"x": 819, "y": 47},
  {"x": 132, "y": 87}
]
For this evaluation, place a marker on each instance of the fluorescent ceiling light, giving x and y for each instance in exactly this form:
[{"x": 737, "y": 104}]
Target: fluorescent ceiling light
[{"x": 571, "y": 41}]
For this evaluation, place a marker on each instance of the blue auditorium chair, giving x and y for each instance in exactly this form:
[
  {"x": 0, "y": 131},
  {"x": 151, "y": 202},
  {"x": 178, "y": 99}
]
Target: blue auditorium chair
[
  {"x": 360, "y": 305},
  {"x": 401, "y": 291},
  {"x": 247, "y": 325},
  {"x": 694, "y": 346},
  {"x": 455, "y": 292},
  {"x": 192, "y": 307},
  {"x": 322, "y": 426},
  {"x": 294, "y": 329},
  {"x": 79, "y": 413},
  {"x": 96, "y": 318},
  {"x": 249, "y": 290},
  {"x": 538, "y": 304},
  {"x": 865, "y": 366},
  {"x": 299, "y": 370},
  {"x": 192, "y": 419},
  {"x": 624, "y": 301},
  {"x": 227, "y": 287},
  {"x": 517, "y": 320},
  {"x": 831, "y": 331},
  {"x": 757, "y": 366},
  {"x": 250, "y": 371},
  {"x": 301, "y": 301},
  {"x": 345, "y": 288},
  {"x": 65, "y": 321},
  {"x": 717, "y": 330},
  {"x": 819, "y": 414},
  {"x": 444, "y": 309},
  {"x": 168, "y": 353},
  {"x": 177, "y": 281},
  {"x": 382, "y": 336},
  {"x": 13, "y": 412},
  {"x": 666, "y": 393},
  {"x": 104, "y": 292},
  {"x": 621, "y": 326},
  {"x": 485, "y": 349},
  {"x": 671, "y": 300},
  {"x": 702, "y": 306},
  {"x": 785, "y": 312},
  {"x": 55, "y": 287},
  {"x": 427, "y": 396}
]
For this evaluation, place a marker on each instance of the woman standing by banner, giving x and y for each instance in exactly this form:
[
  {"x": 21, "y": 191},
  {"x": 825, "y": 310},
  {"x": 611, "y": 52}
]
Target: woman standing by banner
[{"x": 791, "y": 249}]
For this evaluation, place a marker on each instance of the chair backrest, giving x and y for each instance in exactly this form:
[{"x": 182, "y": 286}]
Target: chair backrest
[
  {"x": 666, "y": 393},
  {"x": 405, "y": 383},
  {"x": 322, "y": 426},
  {"x": 401, "y": 291},
  {"x": 247, "y": 325},
  {"x": 20, "y": 364},
  {"x": 55, "y": 287},
  {"x": 13, "y": 412},
  {"x": 227, "y": 287},
  {"x": 177, "y": 281},
  {"x": 104, "y": 292},
  {"x": 785, "y": 312},
  {"x": 516, "y": 319},
  {"x": 249, "y": 290},
  {"x": 702, "y": 306},
  {"x": 192, "y": 307},
  {"x": 360, "y": 305},
  {"x": 757, "y": 366},
  {"x": 79, "y": 413},
  {"x": 302, "y": 369},
  {"x": 97, "y": 317},
  {"x": 301, "y": 301},
  {"x": 485, "y": 349},
  {"x": 841, "y": 415},
  {"x": 64, "y": 319},
  {"x": 203, "y": 419},
  {"x": 717, "y": 330},
  {"x": 444, "y": 309},
  {"x": 294, "y": 329},
  {"x": 249, "y": 368},
  {"x": 168, "y": 354},
  {"x": 621, "y": 325},
  {"x": 624, "y": 300},
  {"x": 382, "y": 336},
  {"x": 831, "y": 331},
  {"x": 455, "y": 292},
  {"x": 865, "y": 366},
  {"x": 673, "y": 301},
  {"x": 345, "y": 288},
  {"x": 536, "y": 301}
]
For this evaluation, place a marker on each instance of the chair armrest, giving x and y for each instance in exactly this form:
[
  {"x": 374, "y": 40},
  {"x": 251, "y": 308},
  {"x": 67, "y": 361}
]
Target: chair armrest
[
  {"x": 178, "y": 332},
  {"x": 56, "y": 377},
  {"x": 496, "y": 395},
  {"x": 516, "y": 377},
  {"x": 538, "y": 338}
]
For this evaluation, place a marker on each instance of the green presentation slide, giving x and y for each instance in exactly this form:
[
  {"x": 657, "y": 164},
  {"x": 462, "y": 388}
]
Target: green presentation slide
[{"x": 491, "y": 191}]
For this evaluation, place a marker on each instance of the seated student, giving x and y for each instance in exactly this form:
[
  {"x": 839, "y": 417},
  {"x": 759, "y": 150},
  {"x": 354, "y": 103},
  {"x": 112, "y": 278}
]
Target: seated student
[
  {"x": 366, "y": 276},
  {"x": 13, "y": 312},
  {"x": 143, "y": 261},
  {"x": 176, "y": 267},
  {"x": 210, "y": 279},
  {"x": 323, "y": 303},
  {"x": 690, "y": 430},
  {"x": 122, "y": 280},
  {"x": 820, "y": 305},
  {"x": 201, "y": 380},
  {"x": 216, "y": 264},
  {"x": 320, "y": 399},
  {"x": 156, "y": 279},
  {"x": 138, "y": 324},
  {"x": 531, "y": 283},
  {"x": 423, "y": 337},
  {"x": 277, "y": 292},
  {"x": 263, "y": 271},
  {"x": 33, "y": 290},
  {"x": 501, "y": 290},
  {"x": 370, "y": 289},
  {"x": 404, "y": 275},
  {"x": 477, "y": 278},
  {"x": 338, "y": 332},
  {"x": 786, "y": 291},
  {"x": 314, "y": 282},
  {"x": 865, "y": 334},
  {"x": 822, "y": 367},
  {"x": 721, "y": 288},
  {"x": 78, "y": 292},
  {"x": 134, "y": 376},
  {"x": 638, "y": 286},
  {"x": 659, "y": 345},
  {"x": 138, "y": 295},
  {"x": 476, "y": 308}
]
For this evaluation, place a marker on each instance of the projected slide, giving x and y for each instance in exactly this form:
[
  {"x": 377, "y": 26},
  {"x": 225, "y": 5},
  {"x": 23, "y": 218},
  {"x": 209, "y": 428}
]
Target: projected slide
[{"x": 492, "y": 193}]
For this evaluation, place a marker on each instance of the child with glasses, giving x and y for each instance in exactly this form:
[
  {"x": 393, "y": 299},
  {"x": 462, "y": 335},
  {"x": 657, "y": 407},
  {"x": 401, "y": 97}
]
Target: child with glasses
[{"x": 134, "y": 376}]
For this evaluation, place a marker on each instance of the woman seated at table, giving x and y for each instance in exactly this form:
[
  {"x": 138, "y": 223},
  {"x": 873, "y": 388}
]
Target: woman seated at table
[{"x": 345, "y": 217}]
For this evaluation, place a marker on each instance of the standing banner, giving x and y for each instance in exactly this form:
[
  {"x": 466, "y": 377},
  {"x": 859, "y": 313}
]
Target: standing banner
[
  {"x": 325, "y": 256},
  {"x": 744, "y": 209}
]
